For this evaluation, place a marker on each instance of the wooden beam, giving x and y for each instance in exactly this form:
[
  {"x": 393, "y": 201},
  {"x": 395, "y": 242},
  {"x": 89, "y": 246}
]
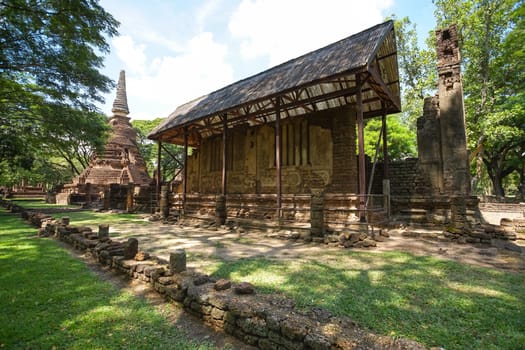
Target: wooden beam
[
  {"x": 381, "y": 88},
  {"x": 361, "y": 146},
  {"x": 224, "y": 154},
  {"x": 159, "y": 166},
  {"x": 278, "y": 154},
  {"x": 185, "y": 173}
]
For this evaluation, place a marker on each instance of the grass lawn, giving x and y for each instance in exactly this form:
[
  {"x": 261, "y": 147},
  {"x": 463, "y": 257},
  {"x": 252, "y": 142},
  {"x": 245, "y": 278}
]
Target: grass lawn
[
  {"x": 49, "y": 299},
  {"x": 84, "y": 217},
  {"x": 433, "y": 301},
  {"x": 436, "y": 302}
]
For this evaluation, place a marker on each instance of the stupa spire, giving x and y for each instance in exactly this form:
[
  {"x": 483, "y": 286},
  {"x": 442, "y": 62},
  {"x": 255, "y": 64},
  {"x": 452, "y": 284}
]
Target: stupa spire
[{"x": 120, "y": 105}]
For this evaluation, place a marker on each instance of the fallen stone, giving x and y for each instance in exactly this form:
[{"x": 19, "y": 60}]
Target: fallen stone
[
  {"x": 244, "y": 288},
  {"x": 222, "y": 284},
  {"x": 131, "y": 248},
  {"x": 141, "y": 256}
]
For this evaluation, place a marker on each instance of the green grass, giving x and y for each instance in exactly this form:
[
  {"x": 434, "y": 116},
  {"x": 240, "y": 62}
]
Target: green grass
[
  {"x": 49, "y": 299},
  {"x": 85, "y": 217},
  {"x": 436, "y": 302}
]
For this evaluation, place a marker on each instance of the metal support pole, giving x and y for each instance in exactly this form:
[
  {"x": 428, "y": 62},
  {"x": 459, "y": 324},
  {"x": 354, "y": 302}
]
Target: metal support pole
[
  {"x": 278, "y": 153},
  {"x": 361, "y": 141}
]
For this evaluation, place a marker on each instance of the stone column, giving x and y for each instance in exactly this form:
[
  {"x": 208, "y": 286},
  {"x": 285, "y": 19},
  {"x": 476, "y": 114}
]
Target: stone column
[
  {"x": 317, "y": 214},
  {"x": 103, "y": 231},
  {"x": 220, "y": 210},
  {"x": 178, "y": 261},
  {"x": 164, "y": 201}
]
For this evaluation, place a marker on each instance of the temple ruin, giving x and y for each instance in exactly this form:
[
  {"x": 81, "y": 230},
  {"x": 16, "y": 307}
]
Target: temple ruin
[
  {"x": 118, "y": 170},
  {"x": 267, "y": 147}
]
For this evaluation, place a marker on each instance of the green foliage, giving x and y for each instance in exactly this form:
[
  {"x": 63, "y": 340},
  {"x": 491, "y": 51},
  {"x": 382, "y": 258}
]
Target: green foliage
[
  {"x": 51, "y": 300},
  {"x": 50, "y": 56},
  {"x": 417, "y": 71},
  {"x": 401, "y": 139},
  {"x": 491, "y": 43},
  {"x": 171, "y": 155}
]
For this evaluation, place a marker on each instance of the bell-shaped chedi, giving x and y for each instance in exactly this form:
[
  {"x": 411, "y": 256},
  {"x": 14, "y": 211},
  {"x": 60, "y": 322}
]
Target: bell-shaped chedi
[{"x": 120, "y": 162}]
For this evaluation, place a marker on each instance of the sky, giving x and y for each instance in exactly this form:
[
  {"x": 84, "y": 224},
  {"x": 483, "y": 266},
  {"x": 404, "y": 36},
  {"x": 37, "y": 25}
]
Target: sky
[{"x": 174, "y": 51}]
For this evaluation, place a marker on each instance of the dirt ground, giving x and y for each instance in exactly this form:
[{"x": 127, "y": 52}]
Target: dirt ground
[{"x": 159, "y": 239}]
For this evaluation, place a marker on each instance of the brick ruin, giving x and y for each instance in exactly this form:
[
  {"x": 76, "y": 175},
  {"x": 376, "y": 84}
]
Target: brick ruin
[{"x": 117, "y": 178}]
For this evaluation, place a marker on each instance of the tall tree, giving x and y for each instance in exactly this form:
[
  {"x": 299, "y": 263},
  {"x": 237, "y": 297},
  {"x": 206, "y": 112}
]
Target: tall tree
[
  {"x": 417, "y": 70},
  {"x": 50, "y": 56},
  {"x": 491, "y": 43}
]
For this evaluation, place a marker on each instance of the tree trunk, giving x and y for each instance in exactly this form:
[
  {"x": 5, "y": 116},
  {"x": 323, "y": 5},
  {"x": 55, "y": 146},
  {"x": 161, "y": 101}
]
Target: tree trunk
[{"x": 495, "y": 175}]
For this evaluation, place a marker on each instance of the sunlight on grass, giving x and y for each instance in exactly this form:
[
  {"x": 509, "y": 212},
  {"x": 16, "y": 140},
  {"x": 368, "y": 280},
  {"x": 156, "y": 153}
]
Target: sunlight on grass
[
  {"x": 51, "y": 300},
  {"x": 436, "y": 302}
]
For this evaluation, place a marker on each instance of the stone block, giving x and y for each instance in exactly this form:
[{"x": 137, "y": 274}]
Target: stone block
[
  {"x": 131, "y": 248},
  {"x": 103, "y": 231},
  {"x": 178, "y": 261}
]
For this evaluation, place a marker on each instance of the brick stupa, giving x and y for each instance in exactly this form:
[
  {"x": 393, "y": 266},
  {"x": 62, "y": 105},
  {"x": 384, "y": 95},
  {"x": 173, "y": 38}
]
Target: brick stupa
[{"x": 120, "y": 162}]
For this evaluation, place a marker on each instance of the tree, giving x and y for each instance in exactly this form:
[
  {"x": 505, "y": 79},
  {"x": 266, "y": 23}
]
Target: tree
[
  {"x": 50, "y": 56},
  {"x": 491, "y": 42},
  {"x": 417, "y": 75},
  {"x": 417, "y": 71},
  {"x": 171, "y": 155},
  {"x": 401, "y": 139}
]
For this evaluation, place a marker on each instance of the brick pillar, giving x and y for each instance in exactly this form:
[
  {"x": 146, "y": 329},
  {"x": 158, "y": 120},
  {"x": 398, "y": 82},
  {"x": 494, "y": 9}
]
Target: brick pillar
[
  {"x": 317, "y": 214},
  {"x": 220, "y": 210},
  {"x": 103, "y": 231}
]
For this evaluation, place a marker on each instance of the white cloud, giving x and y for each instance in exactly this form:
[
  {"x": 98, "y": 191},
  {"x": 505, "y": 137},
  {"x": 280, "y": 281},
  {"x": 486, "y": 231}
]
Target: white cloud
[
  {"x": 130, "y": 53},
  {"x": 170, "y": 80},
  {"x": 285, "y": 29}
]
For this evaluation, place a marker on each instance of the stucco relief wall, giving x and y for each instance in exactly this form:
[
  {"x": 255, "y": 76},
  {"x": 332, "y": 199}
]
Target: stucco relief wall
[{"x": 310, "y": 144}]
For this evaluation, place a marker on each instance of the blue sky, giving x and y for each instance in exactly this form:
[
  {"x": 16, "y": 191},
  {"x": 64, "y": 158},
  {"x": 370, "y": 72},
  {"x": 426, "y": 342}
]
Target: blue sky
[{"x": 174, "y": 51}]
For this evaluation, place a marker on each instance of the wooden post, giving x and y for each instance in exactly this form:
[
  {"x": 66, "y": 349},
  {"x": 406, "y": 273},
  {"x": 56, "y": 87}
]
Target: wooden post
[
  {"x": 361, "y": 141},
  {"x": 278, "y": 153},
  {"x": 224, "y": 153},
  {"x": 185, "y": 170},
  {"x": 159, "y": 174}
]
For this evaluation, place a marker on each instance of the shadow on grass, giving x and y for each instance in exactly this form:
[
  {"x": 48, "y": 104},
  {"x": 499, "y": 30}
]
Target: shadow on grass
[
  {"x": 49, "y": 299},
  {"x": 439, "y": 303}
]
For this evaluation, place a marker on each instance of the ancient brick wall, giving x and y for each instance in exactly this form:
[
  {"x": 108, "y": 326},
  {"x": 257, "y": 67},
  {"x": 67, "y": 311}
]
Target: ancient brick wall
[{"x": 317, "y": 152}]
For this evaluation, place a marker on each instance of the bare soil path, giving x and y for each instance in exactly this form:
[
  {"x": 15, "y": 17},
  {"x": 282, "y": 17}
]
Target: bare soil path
[{"x": 159, "y": 239}]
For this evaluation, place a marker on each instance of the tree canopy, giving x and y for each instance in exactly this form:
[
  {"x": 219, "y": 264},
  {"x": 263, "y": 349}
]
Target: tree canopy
[
  {"x": 50, "y": 56},
  {"x": 491, "y": 43}
]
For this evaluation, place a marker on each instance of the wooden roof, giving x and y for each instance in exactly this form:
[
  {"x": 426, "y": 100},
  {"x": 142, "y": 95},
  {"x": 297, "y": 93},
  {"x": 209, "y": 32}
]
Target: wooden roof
[{"x": 322, "y": 79}]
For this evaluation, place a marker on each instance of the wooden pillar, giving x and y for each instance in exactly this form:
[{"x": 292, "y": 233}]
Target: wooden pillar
[
  {"x": 361, "y": 142},
  {"x": 224, "y": 154},
  {"x": 159, "y": 171},
  {"x": 185, "y": 170},
  {"x": 278, "y": 153}
]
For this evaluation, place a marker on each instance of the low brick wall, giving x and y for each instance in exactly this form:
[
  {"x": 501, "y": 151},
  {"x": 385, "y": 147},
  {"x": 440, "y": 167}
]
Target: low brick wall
[{"x": 265, "y": 321}]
